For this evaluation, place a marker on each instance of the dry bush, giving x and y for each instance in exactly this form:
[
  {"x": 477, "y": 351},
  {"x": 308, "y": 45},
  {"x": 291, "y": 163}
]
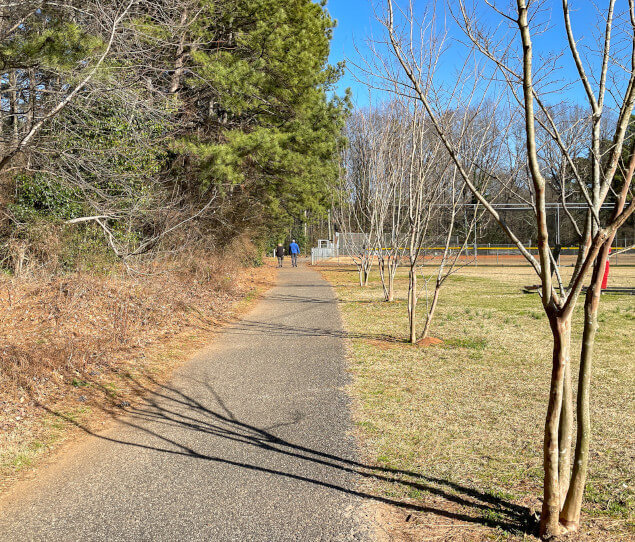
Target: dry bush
[
  {"x": 45, "y": 248},
  {"x": 65, "y": 336}
]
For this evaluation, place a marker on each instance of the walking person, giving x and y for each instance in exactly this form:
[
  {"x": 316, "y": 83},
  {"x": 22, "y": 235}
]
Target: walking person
[
  {"x": 294, "y": 250},
  {"x": 280, "y": 254}
]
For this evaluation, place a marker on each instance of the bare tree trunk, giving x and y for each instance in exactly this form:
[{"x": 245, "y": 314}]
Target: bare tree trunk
[
  {"x": 550, "y": 516},
  {"x": 366, "y": 265},
  {"x": 381, "y": 264},
  {"x": 30, "y": 116},
  {"x": 412, "y": 304},
  {"x": 570, "y": 515},
  {"x": 433, "y": 306},
  {"x": 387, "y": 270},
  {"x": 13, "y": 106},
  {"x": 175, "y": 83},
  {"x": 392, "y": 269},
  {"x": 565, "y": 433}
]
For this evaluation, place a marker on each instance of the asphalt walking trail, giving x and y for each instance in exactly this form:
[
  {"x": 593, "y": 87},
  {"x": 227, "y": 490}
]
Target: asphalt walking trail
[{"x": 249, "y": 441}]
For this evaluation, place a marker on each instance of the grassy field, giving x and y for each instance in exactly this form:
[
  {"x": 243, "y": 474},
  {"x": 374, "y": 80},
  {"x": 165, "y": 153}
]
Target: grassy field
[{"x": 458, "y": 426}]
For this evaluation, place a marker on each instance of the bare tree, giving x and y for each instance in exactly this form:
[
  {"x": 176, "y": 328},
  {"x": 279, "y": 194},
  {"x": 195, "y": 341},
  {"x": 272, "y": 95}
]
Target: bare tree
[
  {"x": 423, "y": 181},
  {"x": 361, "y": 193},
  {"x": 449, "y": 261},
  {"x": 480, "y": 137},
  {"x": 500, "y": 56},
  {"x": 390, "y": 193}
]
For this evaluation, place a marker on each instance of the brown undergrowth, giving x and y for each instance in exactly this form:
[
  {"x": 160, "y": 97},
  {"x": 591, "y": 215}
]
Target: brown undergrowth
[{"x": 76, "y": 347}]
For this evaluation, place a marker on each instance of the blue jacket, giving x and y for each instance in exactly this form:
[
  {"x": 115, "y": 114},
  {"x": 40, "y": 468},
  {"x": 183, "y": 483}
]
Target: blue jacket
[{"x": 294, "y": 248}]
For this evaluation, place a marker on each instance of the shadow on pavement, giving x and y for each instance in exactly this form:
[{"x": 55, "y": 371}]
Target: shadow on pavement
[
  {"x": 167, "y": 407},
  {"x": 251, "y": 327}
]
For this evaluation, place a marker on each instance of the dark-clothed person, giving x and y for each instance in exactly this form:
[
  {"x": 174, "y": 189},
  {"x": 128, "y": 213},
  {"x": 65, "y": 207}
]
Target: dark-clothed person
[
  {"x": 294, "y": 250},
  {"x": 280, "y": 254}
]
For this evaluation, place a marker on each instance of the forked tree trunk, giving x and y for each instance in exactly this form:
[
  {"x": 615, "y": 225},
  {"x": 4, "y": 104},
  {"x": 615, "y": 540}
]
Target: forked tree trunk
[
  {"x": 550, "y": 516},
  {"x": 367, "y": 265},
  {"x": 387, "y": 274},
  {"x": 570, "y": 515},
  {"x": 412, "y": 305}
]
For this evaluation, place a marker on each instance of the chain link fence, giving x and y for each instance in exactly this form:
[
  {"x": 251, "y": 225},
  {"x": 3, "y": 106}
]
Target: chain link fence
[{"x": 350, "y": 245}]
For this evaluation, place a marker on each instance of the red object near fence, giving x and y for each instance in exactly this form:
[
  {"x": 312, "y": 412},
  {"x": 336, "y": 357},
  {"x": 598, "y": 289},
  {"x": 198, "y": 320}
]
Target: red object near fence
[{"x": 605, "y": 278}]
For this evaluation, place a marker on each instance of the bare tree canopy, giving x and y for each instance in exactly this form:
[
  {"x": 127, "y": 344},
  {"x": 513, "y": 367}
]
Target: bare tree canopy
[{"x": 506, "y": 122}]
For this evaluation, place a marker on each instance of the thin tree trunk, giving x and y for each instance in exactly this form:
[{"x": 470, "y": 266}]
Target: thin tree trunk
[
  {"x": 433, "y": 306},
  {"x": 13, "y": 106},
  {"x": 392, "y": 269},
  {"x": 179, "y": 62},
  {"x": 570, "y": 515},
  {"x": 550, "y": 516},
  {"x": 412, "y": 304},
  {"x": 367, "y": 266},
  {"x": 30, "y": 116},
  {"x": 381, "y": 264}
]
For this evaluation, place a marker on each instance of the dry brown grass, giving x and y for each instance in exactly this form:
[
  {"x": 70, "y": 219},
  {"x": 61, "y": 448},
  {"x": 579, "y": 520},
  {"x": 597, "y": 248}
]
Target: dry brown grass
[
  {"x": 459, "y": 425},
  {"x": 81, "y": 348}
]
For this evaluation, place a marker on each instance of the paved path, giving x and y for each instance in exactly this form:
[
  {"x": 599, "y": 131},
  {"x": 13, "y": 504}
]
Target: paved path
[{"x": 250, "y": 441}]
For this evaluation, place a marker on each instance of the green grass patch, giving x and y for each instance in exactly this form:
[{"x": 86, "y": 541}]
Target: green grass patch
[
  {"x": 474, "y": 343},
  {"x": 469, "y": 413}
]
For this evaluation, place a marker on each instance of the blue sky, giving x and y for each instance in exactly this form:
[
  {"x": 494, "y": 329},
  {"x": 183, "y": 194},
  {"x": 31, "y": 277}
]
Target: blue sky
[{"x": 356, "y": 21}]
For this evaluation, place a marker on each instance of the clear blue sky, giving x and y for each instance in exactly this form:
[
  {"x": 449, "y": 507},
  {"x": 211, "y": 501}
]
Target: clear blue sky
[{"x": 356, "y": 22}]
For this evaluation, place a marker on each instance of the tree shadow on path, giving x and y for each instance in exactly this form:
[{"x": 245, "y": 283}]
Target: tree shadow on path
[
  {"x": 166, "y": 412},
  {"x": 278, "y": 329}
]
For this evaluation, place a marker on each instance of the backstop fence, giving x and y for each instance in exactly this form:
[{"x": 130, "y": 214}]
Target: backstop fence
[{"x": 345, "y": 247}]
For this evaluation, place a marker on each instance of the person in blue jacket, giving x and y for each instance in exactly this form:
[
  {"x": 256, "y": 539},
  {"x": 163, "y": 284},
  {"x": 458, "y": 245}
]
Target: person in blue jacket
[{"x": 294, "y": 250}]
